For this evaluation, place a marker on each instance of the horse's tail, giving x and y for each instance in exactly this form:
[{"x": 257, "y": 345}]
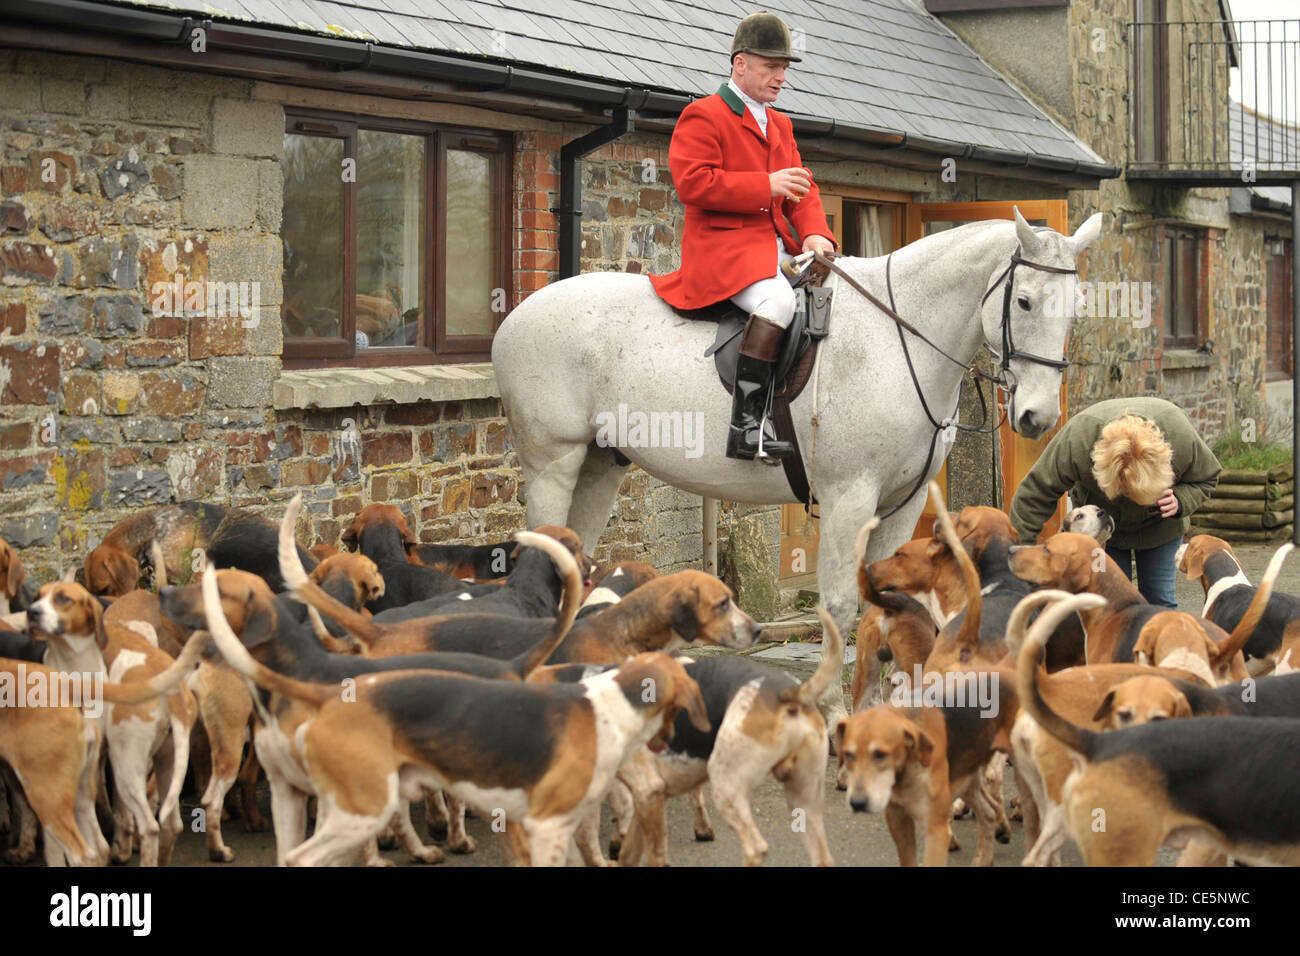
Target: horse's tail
[{"x": 968, "y": 634}]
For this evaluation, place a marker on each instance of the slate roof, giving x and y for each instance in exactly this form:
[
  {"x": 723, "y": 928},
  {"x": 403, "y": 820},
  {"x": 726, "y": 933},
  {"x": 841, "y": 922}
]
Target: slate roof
[
  {"x": 1272, "y": 145},
  {"x": 880, "y": 64}
]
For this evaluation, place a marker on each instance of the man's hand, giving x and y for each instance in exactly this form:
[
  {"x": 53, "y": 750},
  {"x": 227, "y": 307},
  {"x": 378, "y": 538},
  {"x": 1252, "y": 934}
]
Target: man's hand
[
  {"x": 1168, "y": 504},
  {"x": 819, "y": 243},
  {"x": 792, "y": 183}
]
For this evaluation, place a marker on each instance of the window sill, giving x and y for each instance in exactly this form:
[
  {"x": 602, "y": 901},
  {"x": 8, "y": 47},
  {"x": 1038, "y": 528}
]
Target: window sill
[
  {"x": 405, "y": 385},
  {"x": 1185, "y": 358}
]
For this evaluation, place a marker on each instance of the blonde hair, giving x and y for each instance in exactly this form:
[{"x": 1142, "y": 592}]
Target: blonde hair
[{"x": 1132, "y": 460}]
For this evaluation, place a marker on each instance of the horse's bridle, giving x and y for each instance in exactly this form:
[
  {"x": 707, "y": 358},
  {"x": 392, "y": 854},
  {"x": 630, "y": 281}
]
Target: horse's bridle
[
  {"x": 1009, "y": 350},
  {"x": 1005, "y": 379}
]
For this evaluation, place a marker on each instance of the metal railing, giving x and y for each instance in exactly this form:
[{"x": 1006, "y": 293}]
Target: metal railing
[{"x": 1184, "y": 121}]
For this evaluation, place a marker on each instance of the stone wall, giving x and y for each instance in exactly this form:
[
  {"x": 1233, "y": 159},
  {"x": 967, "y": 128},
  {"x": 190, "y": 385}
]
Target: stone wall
[
  {"x": 1117, "y": 357},
  {"x": 118, "y": 176}
]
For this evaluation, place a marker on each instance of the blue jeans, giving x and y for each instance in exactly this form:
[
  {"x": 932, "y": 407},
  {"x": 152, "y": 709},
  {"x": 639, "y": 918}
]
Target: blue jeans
[{"x": 1155, "y": 571}]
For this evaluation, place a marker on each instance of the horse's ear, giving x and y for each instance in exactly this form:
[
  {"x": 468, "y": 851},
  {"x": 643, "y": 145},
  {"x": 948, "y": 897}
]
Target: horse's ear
[
  {"x": 1025, "y": 233},
  {"x": 1087, "y": 234}
]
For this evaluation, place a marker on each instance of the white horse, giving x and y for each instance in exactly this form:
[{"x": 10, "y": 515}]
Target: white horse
[{"x": 574, "y": 352}]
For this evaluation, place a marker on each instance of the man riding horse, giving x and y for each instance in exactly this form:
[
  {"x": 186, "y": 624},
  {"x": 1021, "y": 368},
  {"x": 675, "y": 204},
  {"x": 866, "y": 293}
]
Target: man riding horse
[{"x": 737, "y": 170}]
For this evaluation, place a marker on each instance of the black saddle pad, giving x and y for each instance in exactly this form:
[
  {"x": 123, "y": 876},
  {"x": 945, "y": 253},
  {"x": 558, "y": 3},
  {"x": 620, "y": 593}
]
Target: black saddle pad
[{"x": 726, "y": 344}]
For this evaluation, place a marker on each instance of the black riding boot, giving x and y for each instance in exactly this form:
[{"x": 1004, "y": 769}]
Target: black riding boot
[{"x": 760, "y": 345}]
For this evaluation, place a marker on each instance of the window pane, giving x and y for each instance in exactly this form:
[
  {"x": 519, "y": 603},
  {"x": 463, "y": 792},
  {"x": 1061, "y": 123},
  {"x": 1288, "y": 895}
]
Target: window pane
[
  {"x": 390, "y": 239},
  {"x": 473, "y": 232},
  {"x": 313, "y": 237}
]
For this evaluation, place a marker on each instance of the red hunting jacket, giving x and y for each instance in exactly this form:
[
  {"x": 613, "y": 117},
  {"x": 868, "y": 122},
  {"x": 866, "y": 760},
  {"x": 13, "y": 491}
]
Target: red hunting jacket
[{"x": 720, "y": 163}]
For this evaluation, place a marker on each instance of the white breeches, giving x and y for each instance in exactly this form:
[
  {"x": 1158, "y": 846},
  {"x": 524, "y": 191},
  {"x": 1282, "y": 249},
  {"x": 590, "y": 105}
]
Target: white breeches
[{"x": 772, "y": 298}]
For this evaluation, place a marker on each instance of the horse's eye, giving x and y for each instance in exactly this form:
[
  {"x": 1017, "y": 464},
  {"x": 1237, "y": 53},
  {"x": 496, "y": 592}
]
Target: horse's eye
[{"x": 1023, "y": 302}]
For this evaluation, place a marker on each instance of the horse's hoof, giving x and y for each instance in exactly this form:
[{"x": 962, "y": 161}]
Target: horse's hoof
[
  {"x": 614, "y": 847},
  {"x": 1003, "y": 834},
  {"x": 705, "y": 836}
]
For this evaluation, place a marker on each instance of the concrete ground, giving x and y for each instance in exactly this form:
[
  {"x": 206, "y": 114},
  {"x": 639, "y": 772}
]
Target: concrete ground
[{"x": 855, "y": 839}]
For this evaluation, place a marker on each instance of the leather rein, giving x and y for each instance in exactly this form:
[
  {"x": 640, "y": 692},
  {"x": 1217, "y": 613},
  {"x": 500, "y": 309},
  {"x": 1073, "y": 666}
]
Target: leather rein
[{"x": 1005, "y": 379}]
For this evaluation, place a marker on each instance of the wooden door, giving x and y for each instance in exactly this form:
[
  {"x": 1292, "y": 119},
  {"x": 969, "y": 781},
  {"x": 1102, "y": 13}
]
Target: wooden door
[{"x": 1018, "y": 453}]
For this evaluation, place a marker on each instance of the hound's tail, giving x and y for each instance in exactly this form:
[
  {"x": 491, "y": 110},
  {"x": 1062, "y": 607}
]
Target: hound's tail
[
  {"x": 1255, "y": 611},
  {"x": 1016, "y": 622},
  {"x": 968, "y": 635},
  {"x": 237, "y": 655},
  {"x": 860, "y": 551},
  {"x": 1031, "y": 697},
  {"x": 361, "y": 626},
  {"x": 570, "y": 600},
  {"x": 137, "y": 692},
  {"x": 832, "y": 664}
]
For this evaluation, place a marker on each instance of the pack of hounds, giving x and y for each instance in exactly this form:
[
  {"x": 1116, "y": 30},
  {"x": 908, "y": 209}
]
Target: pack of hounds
[{"x": 523, "y": 682}]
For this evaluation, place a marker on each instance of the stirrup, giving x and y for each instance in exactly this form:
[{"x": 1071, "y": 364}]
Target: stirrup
[{"x": 762, "y": 455}]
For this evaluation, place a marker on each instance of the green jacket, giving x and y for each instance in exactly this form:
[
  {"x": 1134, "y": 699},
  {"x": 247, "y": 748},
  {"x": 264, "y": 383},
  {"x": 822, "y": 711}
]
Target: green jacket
[{"x": 1066, "y": 466}]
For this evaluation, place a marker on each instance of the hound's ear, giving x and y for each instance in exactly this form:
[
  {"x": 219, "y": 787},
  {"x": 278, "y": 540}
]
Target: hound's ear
[
  {"x": 1214, "y": 652},
  {"x": 922, "y": 744},
  {"x": 123, "y": 571},
  {"x": 839, "y": 741},
  {"x": 1181, "y": 707},
  {"x": 350, "y": 536},
  {"x": 683, "y": 618},
  {"x": 688, "y": 698},
  {"x": 97, "y": 615},
  {"x": 937, "y": 545},
  {"x": 1193, "y": 562},
  {"x": 14, "y": 573},
  {"x": 259, "y": 621},
  {"x": 1146, "y": 645},
  {"x": 409, "y": 540},
  {"x": 1104, "y": 711}
]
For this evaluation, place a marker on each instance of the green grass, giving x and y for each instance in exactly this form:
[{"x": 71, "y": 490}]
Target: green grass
[{"x": 1252, "y": 457}]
